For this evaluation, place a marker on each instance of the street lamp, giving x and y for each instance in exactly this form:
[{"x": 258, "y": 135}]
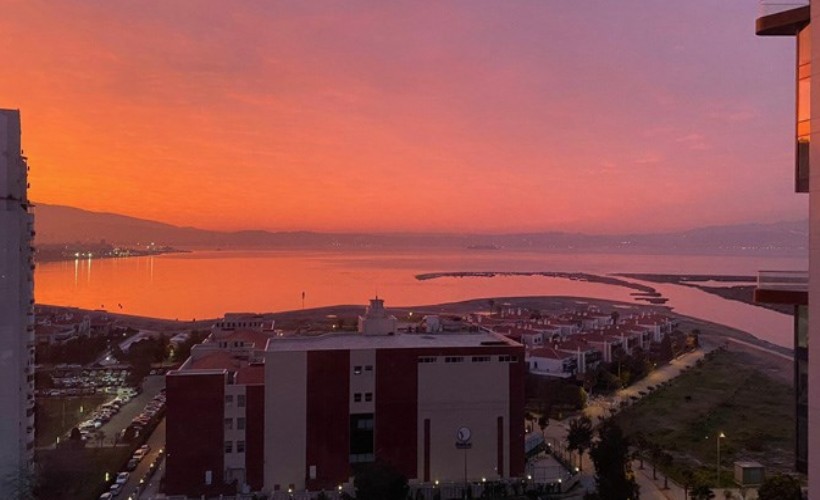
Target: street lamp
[{"x": 720, "y": 436}]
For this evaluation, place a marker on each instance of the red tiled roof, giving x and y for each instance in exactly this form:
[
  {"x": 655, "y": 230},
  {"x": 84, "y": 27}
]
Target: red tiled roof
[
  {"x": 549, "y": 353},
  {"x": 257, "y": 338},
  {"x": 215, "y": 360},
  {"x": 574, "y": 345},
  {"x": 251, "y": 375}
]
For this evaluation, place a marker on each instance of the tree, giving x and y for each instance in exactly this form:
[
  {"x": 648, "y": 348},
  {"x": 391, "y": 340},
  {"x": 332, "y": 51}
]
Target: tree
[
  {"x": 21, "y": 484},
  {"x": 688, "y": 480},
  {"x": 656, "y": 454},
  {"x": 702, "y": 492},
  {"x": 579, "y": 436},
  {"x": 611, "y": 458},
  {"x": 641, "y": 444},
  {"x": 543, "y": 422},
  {"x": 780, "y": 487},
  {"x": 379, "y": 481}
]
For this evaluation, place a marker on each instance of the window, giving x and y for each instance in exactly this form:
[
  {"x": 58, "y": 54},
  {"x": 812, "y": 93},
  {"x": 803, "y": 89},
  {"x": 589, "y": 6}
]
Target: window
[
  {"x": 240, "y": 446},
  {"x": 357, "y": 397},
  {"x": 481, "y": 359},
  {"x": 368, "y": 397},
  {"x": 240, "y": 424},
  {"x": 427, "y": 359},
  {"x": 228, "y": 446},
  {"x": 454, "y": 359},
  {"x": 357, "y": 370},
  {"x": 228, "y": 424},
  {"x": 240, "y": 400},
  {"x": 229, "y": 400},
  {"x": 368, "y": 368}
]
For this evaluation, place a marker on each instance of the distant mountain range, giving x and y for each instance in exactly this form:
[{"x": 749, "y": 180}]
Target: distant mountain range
[{"x": 57, "y": 224}]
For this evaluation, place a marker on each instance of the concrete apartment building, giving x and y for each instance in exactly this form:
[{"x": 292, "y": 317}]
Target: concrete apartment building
[
  {"x": 795, "y": 20},
  {"x": 16, "y": 307},
  {"x": 437, "y": 405}
]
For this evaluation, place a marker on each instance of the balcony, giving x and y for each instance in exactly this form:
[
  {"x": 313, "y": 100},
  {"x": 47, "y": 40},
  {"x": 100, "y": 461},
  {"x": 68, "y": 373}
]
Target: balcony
[
  {"x": 769, "y": 7},
  {"x": 782, "y": 287},
  {"x": 781, "y": 18}
]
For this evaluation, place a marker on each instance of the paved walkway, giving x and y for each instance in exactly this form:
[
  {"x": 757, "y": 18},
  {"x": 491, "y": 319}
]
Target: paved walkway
[
  {"x": 599, "y": 407},
  {"x": 653, "y": 489}
]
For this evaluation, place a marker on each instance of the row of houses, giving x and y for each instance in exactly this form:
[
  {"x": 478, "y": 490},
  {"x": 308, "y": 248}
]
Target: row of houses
[
  {"x": 575, "y": 342},
  {"x": 59, "y": 326}
]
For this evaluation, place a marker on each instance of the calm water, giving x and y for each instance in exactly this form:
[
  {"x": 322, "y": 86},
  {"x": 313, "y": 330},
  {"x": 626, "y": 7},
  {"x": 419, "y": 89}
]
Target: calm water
[{"x": 207, "y": 284}]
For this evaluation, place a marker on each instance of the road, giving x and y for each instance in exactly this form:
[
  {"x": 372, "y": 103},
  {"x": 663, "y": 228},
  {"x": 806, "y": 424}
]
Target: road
[
  {"x": 139, "y": 479},
  {"x": 152, "y": 385}
]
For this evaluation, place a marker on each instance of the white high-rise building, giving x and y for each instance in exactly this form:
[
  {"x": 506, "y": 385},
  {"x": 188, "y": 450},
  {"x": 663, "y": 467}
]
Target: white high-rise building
[{"x": 16, "y": 309}]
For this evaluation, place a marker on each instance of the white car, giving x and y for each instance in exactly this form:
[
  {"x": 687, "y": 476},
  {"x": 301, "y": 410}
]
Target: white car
[
  {"x": 106, "y": 496},
  {"x": 116, "y": 489},
  {"x": 122, "y": 477}
]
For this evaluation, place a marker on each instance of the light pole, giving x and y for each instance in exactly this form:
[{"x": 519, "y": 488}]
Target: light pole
[{"x": 720, "y": 436}]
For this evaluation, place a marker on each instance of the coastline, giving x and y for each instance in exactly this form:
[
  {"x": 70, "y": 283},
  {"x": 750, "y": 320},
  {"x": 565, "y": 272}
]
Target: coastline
[{"x": 322, "y": 318}]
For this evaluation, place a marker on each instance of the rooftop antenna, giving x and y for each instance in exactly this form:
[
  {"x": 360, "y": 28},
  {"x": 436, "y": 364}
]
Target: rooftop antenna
[{"x": 303, "y": 300}]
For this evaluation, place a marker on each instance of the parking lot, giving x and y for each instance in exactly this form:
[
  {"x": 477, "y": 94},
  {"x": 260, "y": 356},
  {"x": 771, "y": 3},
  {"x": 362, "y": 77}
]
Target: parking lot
[{"x": 109, "y": 426}]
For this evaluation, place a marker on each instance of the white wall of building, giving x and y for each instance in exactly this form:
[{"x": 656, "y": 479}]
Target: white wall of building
[
  {"x": 16, "y": 308},
  {"x": 475, "y": 395},
  {"x": 285, "y": 424},
  {"x": 814, "y": 265}
]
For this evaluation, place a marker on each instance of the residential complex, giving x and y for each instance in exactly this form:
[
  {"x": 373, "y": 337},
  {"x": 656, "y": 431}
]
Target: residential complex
[
  {"x": 795, "y": 20},
  {"x": 572, "y": 343},
  {"x": 253, "y": 410},
  {"x": 16, "y": 307}
]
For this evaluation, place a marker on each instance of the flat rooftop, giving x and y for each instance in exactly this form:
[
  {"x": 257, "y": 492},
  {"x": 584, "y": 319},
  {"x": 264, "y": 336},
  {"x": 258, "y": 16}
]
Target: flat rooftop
[{"x": 358, "y": 341}]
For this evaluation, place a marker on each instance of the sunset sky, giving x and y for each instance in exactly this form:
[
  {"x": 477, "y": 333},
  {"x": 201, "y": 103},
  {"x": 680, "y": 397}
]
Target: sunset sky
[{"x": 593, "y": 116}]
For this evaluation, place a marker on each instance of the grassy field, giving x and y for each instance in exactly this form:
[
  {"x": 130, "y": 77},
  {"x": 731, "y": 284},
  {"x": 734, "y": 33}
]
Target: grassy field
[
  {"x": 77, "y": 474},
  {"x": 722, "y": 394},
  {"x": 56, "y": 416}
]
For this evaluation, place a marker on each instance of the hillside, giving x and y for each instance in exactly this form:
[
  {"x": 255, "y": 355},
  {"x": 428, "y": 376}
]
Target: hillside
[{"x": 60, "y": 224}]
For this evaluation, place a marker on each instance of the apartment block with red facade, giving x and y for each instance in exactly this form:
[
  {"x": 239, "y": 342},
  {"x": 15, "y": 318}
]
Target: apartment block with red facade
[{"x": 321, "y": 405}]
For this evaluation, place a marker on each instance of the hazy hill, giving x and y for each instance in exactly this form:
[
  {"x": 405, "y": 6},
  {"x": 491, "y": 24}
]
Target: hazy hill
[{"x": 59, "y": 224}]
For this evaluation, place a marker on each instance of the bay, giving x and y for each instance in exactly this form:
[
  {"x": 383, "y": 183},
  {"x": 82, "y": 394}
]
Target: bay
[{"x": 206, "y": 284}]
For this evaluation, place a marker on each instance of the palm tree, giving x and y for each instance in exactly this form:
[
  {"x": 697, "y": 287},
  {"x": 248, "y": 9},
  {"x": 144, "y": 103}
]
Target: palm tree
[
  {"x": 641, "y": 444},
  {"x": 579, "y": 437}
]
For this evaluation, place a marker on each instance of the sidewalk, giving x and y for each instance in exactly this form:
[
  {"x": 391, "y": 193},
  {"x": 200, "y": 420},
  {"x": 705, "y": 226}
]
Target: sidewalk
[
  {"x": 599, "y": 407},
  {"x": 653, "y": 489}
]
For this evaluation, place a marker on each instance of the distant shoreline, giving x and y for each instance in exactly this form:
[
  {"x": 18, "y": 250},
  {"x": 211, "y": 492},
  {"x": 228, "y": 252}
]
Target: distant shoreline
[
  {"x": 50, "y": 257},
  {"x": 321, "y": 318}
]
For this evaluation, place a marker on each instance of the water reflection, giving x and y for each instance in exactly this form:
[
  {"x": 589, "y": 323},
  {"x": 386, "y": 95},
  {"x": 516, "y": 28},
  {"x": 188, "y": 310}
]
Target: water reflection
[{"x": 207, "y": 284}]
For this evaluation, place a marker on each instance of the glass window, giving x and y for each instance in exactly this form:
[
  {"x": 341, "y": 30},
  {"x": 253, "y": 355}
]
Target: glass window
[
  {"x": 357, "y": 370},
  {"x": 357, "y": 397},
  {"x": 240, "y": 400},
  {"x": 368, "y": 397},
  {"x": 228, "y": 424},
  {"x": 229, "y": 400},
  {"x": 240, "y": 446},
  {"x": 228, "y": 446},
  {"x": 240, "y": 423}
]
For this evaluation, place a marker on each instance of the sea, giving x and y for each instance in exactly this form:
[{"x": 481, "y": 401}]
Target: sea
[{"x": 207, "y": 284}]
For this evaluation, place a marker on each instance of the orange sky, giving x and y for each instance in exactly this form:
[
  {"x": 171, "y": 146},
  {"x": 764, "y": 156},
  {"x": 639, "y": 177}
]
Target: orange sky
[{"x": 391, "y": 116}]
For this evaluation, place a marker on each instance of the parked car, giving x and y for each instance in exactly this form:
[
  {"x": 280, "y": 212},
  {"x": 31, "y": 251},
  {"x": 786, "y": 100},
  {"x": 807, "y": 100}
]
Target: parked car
[
  {"x": 115, "y": 489},
  {"x": 122, "y": 477}
]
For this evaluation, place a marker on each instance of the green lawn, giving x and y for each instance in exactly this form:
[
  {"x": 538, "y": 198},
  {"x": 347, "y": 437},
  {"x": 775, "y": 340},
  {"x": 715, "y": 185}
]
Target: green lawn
[
  {"x": 724, "y": 394},
  {"x": 78, "y": 474},
  {"x": 56, "y": 416}
]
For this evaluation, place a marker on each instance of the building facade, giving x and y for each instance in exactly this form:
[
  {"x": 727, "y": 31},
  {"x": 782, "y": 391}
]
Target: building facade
[
  {"x": 437, "y": 406},
  {"x": 796, "y": 20},
  {"x": 16, "y": 307}
]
